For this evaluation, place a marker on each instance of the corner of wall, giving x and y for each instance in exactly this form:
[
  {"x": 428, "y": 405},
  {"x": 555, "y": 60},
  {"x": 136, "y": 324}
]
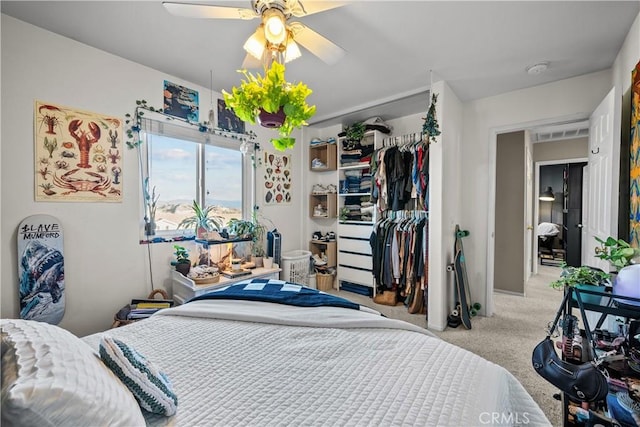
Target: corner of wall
[{"x": 444, "y": 206}]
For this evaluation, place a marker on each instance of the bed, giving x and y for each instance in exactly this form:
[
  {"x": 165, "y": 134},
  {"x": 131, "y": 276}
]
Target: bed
[
  {"x": 268, "y": 352},
  {"x": 550, "y": 240}
]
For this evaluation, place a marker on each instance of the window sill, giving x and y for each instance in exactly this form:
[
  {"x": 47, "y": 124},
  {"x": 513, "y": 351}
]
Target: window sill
[{"x": 166, "y": 237}]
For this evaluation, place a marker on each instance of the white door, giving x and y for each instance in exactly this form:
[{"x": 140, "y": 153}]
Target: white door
[
  {"x": 600, "y": 191},
  {"x": 528, "y": 207}
]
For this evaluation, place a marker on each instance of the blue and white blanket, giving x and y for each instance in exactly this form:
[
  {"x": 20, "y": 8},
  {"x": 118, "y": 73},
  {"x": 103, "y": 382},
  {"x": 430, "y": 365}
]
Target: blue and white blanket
[{"x": 277, "y": 291}]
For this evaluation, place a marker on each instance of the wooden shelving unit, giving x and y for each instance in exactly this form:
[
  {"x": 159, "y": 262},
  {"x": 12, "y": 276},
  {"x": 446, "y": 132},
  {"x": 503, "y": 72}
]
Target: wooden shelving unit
[
  {"x": 328, "y": 203},
  {"x": 328, "y": 247},
  {"x": 327, "y": 154}
]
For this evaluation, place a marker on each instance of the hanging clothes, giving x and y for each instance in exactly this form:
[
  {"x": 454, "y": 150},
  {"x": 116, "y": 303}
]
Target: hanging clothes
[
  {"x": 400, "y": 176},
  {"x": 399, "y": 256}
]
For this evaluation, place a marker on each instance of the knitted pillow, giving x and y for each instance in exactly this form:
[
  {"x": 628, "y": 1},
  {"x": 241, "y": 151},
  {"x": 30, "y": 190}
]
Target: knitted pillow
[
  {"x": 149, "y": 386},
  {"x": 50, "y": 377}
]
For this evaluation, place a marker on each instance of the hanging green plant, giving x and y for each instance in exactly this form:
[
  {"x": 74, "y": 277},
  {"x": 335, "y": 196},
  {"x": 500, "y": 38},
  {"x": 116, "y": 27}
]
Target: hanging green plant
[
  {"x": 272, "y": 94},
  {"x": 430, "y": 128}
]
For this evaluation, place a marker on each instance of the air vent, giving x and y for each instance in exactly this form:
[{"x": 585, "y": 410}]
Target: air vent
[{"x": 560, "y": 132}]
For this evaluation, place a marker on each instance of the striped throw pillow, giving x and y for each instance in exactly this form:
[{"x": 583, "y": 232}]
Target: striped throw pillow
[{"x": 151, "y": 388}]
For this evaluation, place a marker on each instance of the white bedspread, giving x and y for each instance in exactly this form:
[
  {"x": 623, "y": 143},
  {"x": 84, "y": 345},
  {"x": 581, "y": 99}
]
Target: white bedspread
[{"x": 251, "y": 363}]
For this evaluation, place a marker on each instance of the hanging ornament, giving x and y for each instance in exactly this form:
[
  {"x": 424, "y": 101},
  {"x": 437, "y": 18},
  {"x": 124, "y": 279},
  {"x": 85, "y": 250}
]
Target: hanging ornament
[
  {"x": 430, "y": 128},
  {"x": 212, "y": 114}
]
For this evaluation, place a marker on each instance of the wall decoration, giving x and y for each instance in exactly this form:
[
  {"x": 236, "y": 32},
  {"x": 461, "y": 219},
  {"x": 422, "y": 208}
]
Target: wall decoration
[
  {"x": 228, "y": 120},
  {"x": 634, "y": 160},
  {"x": 78, "y": 155},
  {"x": 41, "y": 269},
  {"x": 277, "y": 178},
  {"x": 181, "y": 102}
]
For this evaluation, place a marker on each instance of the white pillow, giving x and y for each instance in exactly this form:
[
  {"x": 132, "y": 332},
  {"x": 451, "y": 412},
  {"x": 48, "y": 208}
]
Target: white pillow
[
  {"x": 149, "y": 385},
  {"x": 50, "y": 377}
]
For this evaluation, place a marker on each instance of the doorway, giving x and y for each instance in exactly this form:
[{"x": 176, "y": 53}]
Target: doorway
[
  {"x": 602, "y": 183},
  {"x": 559, "y": 211},
  {"x": 516, "y": 208}
]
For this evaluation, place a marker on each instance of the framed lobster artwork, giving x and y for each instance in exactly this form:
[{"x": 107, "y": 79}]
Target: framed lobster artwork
[{"x": 78, "y": 155}]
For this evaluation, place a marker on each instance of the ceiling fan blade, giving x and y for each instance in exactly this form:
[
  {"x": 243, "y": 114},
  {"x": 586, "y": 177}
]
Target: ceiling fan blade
[
  {"x": 319, "y": 45},
  {"x": 296, "y": 8},
  {"x": 190, "y": 10},
  {"x": 251, "y": 62}
]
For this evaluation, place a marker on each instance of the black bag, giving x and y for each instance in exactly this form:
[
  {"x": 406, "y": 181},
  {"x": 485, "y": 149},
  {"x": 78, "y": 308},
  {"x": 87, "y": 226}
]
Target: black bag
[{"x": 584, "y": 382}]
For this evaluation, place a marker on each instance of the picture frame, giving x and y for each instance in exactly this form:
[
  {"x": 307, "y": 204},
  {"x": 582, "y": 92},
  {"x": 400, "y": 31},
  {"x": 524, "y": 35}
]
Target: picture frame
[
  {"x": 277, "y": 180},
  {"x": 77, "y": 155},
  {"x": 181, "y": 102},
  {"x": 227, "y": 119}
]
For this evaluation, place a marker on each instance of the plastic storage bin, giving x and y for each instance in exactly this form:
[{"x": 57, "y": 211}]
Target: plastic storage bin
[{"x": 295, "y": 267}]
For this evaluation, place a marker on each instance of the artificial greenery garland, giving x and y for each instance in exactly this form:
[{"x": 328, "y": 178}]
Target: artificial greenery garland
[{"x": 430, "y": 128}]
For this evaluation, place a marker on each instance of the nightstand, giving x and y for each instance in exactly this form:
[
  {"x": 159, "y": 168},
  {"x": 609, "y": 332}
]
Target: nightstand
[{"x": 184, "y": 288}]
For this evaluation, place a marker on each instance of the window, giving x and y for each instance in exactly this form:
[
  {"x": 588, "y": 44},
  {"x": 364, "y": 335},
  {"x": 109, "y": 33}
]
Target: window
[{"x": 185, "y": 165}]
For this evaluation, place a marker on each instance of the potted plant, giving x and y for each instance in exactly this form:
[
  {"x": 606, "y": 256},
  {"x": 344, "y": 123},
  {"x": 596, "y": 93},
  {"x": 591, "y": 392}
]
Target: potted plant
[
  {"x": 251, "y": 229},
  {"x": 271, "y": 94},
  {"x": 619, "y": 253},
  {"x": 201, "y": 221},
  {"x": 583, "y": 278},
  {"x": 240, "y": 228},
  {"x": 257, "y": 247},
  {"x": 151, "y": 202},
  {"x": 182, "y": 262},
  {"x": 355, "y": 132}
]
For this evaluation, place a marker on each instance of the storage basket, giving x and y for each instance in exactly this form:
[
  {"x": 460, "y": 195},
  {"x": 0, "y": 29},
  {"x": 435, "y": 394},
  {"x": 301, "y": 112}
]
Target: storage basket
[
  {"x": 324, "y": 281},
  {"x": 295, "y": 267},
  {"x": 120, "y": 318}
]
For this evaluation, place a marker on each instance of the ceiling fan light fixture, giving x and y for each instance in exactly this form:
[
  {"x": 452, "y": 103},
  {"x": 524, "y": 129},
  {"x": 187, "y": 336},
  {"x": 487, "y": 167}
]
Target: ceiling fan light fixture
[
  {"x": 255, "y": 45},
  {"x": 275, "y": 30},
  {"x": 292, "y": 51}
]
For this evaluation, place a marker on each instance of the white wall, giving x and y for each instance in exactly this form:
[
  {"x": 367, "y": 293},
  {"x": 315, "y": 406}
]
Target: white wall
[
  {"x": 445, "y": 197},
  {"x": 571, "y": 98},
  {"x": 105, "y": 266},
  {"x": 483, "y": 119}
]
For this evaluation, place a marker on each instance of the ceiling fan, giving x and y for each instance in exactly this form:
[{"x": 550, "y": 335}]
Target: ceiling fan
[{"x": 275, "y": 37}]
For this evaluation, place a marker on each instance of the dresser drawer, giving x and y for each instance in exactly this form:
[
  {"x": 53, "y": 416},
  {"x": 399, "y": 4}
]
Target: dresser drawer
[
  {"x": 356, "y": 276},
  {"x": 355, "y": 260},
  {"x": 355, "y": 230},
  {"x": 354, "y": 245}
]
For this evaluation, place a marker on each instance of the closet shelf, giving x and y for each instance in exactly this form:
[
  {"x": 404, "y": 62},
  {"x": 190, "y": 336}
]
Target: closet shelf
[
  {"x": 354, "y": 194},
  {"x": 356, "y": 166},
  {"x": 356, "y": 222}
]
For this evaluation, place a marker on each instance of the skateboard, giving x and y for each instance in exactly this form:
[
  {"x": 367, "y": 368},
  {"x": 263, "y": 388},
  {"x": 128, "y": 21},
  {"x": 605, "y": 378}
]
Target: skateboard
[
  {"x": 41, "y": 269},
  {"x": 463, "y": 309}
]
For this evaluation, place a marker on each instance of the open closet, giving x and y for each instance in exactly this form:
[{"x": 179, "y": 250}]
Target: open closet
[{"x": 398, "y": 233}]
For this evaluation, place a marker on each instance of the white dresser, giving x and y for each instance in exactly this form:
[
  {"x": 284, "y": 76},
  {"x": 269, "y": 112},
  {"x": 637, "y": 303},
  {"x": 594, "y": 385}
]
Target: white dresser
[
  {"x": 354, "y": 254},
  {"x": 184, "y": 288}
]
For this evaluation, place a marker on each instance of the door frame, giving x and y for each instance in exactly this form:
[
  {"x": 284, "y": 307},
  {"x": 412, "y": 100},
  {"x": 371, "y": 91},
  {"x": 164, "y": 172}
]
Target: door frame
[
  {"x": 536, "y": 210},
  {"x": 491, "y": 189}
]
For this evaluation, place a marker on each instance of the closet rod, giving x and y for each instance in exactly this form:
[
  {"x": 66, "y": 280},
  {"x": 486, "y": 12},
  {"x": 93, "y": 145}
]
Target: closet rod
[
  {"x": 417, "y": 214},
  {"x": 406, "y": 139}
]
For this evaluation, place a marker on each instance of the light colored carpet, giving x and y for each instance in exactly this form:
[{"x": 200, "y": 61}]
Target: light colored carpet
[{"x": 508, "y": 337}]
